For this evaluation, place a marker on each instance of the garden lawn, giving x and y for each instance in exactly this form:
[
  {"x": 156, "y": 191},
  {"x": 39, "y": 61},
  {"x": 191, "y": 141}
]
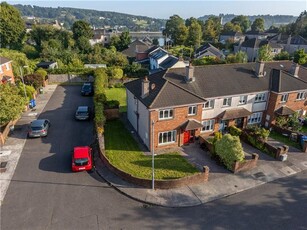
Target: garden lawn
[
  {"x": 124, "y": 153},
  {"x": 118, "y": 94},
  {"x": 283, "y": 139}
]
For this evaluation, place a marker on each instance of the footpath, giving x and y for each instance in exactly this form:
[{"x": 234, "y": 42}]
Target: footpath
[{"x": 220, "y": 184}]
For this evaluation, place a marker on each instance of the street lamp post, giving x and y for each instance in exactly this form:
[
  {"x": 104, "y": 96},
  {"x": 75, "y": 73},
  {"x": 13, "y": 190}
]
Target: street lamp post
[
  {"x": 21, "y": 76},
  {"x": 153, "y": 155}
]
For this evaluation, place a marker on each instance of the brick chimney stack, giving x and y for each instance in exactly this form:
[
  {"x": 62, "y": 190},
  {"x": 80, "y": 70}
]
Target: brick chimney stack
[
  {"x": 294, "y": 69},
  {"x": 260, "y": 69},
  {"x": 145, "y": 87},
  {"x": 189, "y": 73}
]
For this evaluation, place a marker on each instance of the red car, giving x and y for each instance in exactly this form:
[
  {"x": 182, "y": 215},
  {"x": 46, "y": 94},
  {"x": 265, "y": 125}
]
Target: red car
[{"x": 82, "y": 159}]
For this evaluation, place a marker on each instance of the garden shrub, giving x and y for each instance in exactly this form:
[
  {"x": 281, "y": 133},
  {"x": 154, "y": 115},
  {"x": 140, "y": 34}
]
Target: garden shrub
[
  {"x": 230, "y": 150},
  {"x": 112, "y": 104},
  {"x": 36, "y": 80},
  {"x": 234, "y": 131},
  {"x": 281, "y": 121}
]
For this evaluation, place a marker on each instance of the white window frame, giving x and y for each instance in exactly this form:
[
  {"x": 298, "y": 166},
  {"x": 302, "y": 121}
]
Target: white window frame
[
  {"x": 255, "y": 118},
  {"x": 167, "y": 137},
  {"x": 208, "y": 125},
  {"x": 192, "y": 110},
  {"x": 228, "y": 101},
  {"x": 243, "y": 100},
  {"x": 166, "y": 111},
  {"x": 209, "y": 104},
  {"x": 284, "y": 97},
  {"x": 301, "y": 96},
  {"x": 260, "y": 97}
]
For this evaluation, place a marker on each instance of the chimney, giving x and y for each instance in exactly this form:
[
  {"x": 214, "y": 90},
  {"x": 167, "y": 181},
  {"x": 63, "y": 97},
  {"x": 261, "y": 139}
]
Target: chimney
[
  {"x": 189, "y": 73},
  {"x": 294, "y": 69},
  {"x": 145, "y": 87},
  {"x": 279, "y": 37},
  {"x": 289, "y": 40},
  {"x": 260, "y": 69}
]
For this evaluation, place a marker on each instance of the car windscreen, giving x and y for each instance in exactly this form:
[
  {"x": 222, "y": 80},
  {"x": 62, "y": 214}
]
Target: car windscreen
[
  {"x": 82, "y": 113},
  {"x": 86, "y": 87},
  {"x": 81, "y": 161},
  {"x": 35, "y": 128}
]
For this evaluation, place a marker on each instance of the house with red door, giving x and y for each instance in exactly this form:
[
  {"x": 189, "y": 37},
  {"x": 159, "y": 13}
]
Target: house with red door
[
  {"x": 173, "y": 107},
  {"x": 6, "y": 71}
]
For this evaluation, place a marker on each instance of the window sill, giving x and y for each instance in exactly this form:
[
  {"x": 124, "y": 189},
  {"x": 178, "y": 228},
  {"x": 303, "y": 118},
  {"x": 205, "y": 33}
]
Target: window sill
[
  {"x": 191, "y": 115},
  {"x": 206, "y": 131},
  {"x": 168, "y": 143},
  {"x": 165, "y": 119},
  {"x": 208, "y": 108},
  {"x": 259, "y": 102}
]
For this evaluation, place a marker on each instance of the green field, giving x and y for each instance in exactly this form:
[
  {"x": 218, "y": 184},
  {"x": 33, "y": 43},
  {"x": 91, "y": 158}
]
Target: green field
[
  {"x": 118, "y": 94},
  {"x": 124, "y": 153}
]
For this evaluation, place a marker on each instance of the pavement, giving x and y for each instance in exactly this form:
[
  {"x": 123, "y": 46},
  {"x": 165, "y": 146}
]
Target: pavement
[{"x": 222, "y": 183}]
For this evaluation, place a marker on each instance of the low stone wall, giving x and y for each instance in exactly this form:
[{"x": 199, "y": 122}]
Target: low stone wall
[
  {"x": 159, "y": 184},
  {"x": 246, "y": 164},
  {"x": 111, "y": 113},
  {"x": 5, "y": 133}
]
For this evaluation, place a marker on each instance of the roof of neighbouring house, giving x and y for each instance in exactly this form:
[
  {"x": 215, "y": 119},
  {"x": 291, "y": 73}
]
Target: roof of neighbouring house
[
  {"x": 213, "y": 81},
  {"x": 169, "y": 62},
  {"x": 232, "y": 33},
  {"x": 295, "y": 40},
  {"x": 250, "y": 32},
  {"x": 257, "y": 43},
  {"x": 284, "y": 111},
  {"x": 4, "y": 60},
  {"x": 208, "y": 48},
  {"x": 135, "y": 46},
  {"x": 158, "y": 53},
  {"x": 45, "y": 64}
]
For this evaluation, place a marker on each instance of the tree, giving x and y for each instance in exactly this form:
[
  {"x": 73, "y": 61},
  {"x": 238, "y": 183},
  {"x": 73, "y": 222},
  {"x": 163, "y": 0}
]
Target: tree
[
  {"x": 265, "y": 53},
  {"x": 283, "y": 55},
  {"x": 81, "y": 29},
  {"x": 230, "y": 150},
  {"x": 155, "y": 42},
  {"x": 115, "y": 73},
  {"x": 194, "y": 34},
  {"x": 239, "y": 57},
  {"x": 12, "y": 27},
  {"x": 11, "y": 103},
  {"x": 41, "y": 33},
  {"x": 125, "y": 40},
  {"x": 212, "y": 29},
  {"x": 258, "y": 25},
  {"x": 83, "y": 44},
  {"x": 230, "y": 27},
  {"x": 176, "y": 30},
  {"x": 300, "y": 57},
  {"x": 241, "y": 21}
]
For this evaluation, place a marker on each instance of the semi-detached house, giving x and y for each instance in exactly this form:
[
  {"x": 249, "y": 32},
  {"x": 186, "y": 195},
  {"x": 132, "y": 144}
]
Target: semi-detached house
[{"x": 172, "y": 107}]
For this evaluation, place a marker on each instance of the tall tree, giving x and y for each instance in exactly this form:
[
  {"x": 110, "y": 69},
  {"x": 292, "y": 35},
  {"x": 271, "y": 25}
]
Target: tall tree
[
  {"x": 195, "y": 34},
  {"x": 241, "y": 21},
  {"x": 230, "y": 27},
  {"x": 11, "y": 103},
  {"x": 258, "y": 25},
  {"x": 176, "y": 30},
  {"x": 12, "y": 27},
  {"x": 125, "y": 40},
  {"x": 212, "y": 29},
  {"x": 81, "y": 29},
  {"x": 265, "y": 53},
  {"x": 41, "y": 33},
  {"x": 300, "y": 57}
]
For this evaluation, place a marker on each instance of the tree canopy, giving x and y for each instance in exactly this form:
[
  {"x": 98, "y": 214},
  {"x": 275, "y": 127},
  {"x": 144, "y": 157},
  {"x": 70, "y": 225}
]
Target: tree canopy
[
  {"x": 241, "y": 21},
  {"x": 12, "y": 27},
  {"x": 258, "y": 25},
  {"x": 300, "y": 56},
  {"x": 81, "y": 29},
  {"x": 265, "y": 53},
  {"x": 175, "y": 29}
]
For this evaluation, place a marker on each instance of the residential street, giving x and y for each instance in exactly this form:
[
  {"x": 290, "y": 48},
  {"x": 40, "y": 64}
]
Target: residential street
[{"x": 45, "y": 194}]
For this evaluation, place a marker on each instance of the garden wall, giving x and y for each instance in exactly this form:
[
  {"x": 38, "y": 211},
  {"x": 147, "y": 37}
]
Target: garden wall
[
  {"x": 159, "y": 184},
  {"x": 68, "y": 78},
  {"x": 6, "y": 130}
]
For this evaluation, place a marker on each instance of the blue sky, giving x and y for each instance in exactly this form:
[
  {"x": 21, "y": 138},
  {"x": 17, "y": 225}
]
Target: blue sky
[{"x": 185, "y": 9}]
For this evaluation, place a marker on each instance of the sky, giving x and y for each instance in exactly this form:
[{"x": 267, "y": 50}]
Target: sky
[{"x": 185, "y": 9}]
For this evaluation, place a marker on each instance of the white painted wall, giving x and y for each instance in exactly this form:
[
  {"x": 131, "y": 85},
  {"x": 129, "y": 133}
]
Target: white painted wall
[
  {"x": 219, "y": 108},
  {"x": 131, "y": 109}
]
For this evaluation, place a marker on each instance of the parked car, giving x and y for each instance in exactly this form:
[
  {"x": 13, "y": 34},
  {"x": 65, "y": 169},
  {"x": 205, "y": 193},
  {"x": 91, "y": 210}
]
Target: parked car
[
  {"x": 87, "y": 89},
  {"x": 39, "y": 128},
  {"x": 82, "y": 113},
  {"x": 82, "y": 159}
]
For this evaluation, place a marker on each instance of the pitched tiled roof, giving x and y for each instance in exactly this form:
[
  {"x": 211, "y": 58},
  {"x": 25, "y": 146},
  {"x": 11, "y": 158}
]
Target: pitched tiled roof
[
  {"x": 169, "y": 62},
  {"x": 171, "y": 89},
  {"x": 250, "y": 32},
  {"x": 158, "y": 53},
  {"x": 234, "y": 113},
  {"x": 135, "y": 45},
  {"x": 210, "y": 48},
  {"x": 191, "y": 124},
  {"x": 232, "y": 33},
  {"x": 4, "y": 60}
]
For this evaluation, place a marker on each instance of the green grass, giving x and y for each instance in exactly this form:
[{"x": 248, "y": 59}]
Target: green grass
[
  {"x": 118, "y": 94},
  {"x": 304, "y": 129},
  {"x": 285, "y": 140},
  {"x": 124, "y": 153}
]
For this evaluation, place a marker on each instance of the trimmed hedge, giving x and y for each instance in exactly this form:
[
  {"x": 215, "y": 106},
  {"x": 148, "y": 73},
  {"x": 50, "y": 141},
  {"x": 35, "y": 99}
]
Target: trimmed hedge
[{"x": 234, "y": 131}]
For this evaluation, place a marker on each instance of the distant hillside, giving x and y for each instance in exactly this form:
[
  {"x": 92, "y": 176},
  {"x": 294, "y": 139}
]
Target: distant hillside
[
  {"x": 269, "y": 20},
  {"x": 121, "y": 21},
  {"x": 96, "y": 18}
]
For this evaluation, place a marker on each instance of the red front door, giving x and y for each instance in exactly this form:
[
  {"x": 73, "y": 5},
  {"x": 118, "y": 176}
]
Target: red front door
[{"x": 186, "y": 137}]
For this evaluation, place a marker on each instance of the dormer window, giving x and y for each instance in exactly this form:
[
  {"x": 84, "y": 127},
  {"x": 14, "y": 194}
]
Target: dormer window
[
  {"x": 260, "y": 97},
  {"x": 227, "y": 101},
  {"x": 209, "y": 104},
  {"x": 243, "y": 100}
]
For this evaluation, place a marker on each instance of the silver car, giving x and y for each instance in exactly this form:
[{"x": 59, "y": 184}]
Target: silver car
[
  {"x": 82, "y": 113},
  {"x": 39, "y": 128}
]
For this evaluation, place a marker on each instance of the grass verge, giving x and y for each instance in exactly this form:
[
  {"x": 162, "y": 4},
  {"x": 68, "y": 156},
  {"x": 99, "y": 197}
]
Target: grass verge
[
  {"x": 118, "y": 94},
  {"x": 123, "y": 152},
  {"x": 283, "y": 139}
]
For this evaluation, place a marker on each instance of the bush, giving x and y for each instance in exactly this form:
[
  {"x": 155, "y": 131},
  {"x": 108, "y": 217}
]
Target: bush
[
  {"x": 119, "y": 85},
  {"x": 112, "y": 104},
  {"x": 281, "y": 121},
  {"x": 234, "y": 131},
  {"x": 35, "y": 80},
  {"x": 230, "y": 150}
]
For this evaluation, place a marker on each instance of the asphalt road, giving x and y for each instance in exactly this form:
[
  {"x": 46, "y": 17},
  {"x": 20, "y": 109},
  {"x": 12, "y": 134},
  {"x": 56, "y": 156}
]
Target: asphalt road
[{"x": 45, "y": 194}]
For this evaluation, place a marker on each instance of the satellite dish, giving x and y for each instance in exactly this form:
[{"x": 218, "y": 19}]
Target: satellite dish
[{"x": 282, "y": 66}]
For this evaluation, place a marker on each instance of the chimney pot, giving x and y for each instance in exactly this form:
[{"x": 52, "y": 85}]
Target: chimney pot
[{"x": 145, "y": 87}]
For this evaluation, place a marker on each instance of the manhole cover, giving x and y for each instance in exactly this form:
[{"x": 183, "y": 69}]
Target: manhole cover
[
  {"x": 3, "y": 164},
  {"x": 259, "y": 174}
]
